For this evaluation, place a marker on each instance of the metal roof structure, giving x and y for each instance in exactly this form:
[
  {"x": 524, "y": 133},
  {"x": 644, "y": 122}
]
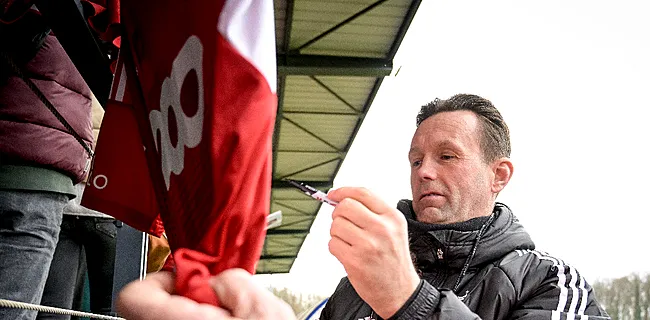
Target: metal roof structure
[{"x": 332, "y": 57}]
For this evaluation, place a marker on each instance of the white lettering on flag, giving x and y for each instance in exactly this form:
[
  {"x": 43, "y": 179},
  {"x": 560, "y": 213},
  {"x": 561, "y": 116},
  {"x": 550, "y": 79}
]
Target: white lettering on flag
[{"x": 188, "y": 129}]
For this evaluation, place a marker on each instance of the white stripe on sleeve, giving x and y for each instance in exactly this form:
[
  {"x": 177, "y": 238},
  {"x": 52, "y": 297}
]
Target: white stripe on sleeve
[
  {"x": 573, "y": 284},
  {"x": 585, "y": 295},
  {"x": 564, "y": 285}
]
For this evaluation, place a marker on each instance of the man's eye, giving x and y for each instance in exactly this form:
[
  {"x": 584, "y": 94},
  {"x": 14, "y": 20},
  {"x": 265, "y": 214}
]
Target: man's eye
[
  {"x": 416, "y": 163},
  {"x": 447, "y": 157}
]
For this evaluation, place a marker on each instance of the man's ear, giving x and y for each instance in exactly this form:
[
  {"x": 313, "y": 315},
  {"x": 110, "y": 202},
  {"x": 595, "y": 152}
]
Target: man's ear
[{"x": 502, "y": 169}]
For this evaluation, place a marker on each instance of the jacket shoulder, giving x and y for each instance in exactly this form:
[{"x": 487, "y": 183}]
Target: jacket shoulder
[
  {"x": 524, "y": 262},
  {"x": 529, "y": 269}
]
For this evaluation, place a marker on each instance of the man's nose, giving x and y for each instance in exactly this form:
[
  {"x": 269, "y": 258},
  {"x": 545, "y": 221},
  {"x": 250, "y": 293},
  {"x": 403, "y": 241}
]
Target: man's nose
[{"x": 428, "y": 170}]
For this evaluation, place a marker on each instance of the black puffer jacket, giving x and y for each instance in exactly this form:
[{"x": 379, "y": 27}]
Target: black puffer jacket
[{"x": 484, "y": 268}]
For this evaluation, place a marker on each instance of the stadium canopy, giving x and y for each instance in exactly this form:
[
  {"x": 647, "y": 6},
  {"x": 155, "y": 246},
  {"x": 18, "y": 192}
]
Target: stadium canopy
[{"x": 332, "y": 57}]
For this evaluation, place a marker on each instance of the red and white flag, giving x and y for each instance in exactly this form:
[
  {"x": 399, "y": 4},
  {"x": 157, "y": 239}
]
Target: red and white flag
[{"x": 201, "y": 75}]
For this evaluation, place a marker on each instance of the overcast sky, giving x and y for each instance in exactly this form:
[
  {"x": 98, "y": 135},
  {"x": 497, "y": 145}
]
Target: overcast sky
[{"x": 571, "y": 79}]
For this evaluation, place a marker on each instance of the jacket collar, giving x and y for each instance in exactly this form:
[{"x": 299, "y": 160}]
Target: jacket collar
[{"x": 450, "y": 245}]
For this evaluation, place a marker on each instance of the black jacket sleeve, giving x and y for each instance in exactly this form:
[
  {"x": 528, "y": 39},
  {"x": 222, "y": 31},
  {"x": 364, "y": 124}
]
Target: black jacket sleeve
[
  {"x": 429, "y": 303},
  {"x": 344, "y": 303}
]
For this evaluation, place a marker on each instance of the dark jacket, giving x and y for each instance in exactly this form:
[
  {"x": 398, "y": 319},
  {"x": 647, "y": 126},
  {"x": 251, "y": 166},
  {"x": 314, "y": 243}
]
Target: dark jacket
[
  {"x": 484, "y": 268},
  {"x": 29, "y": 133}
]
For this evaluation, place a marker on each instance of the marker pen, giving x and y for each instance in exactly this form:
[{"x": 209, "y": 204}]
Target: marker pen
[{"x": 312, "y": 192}]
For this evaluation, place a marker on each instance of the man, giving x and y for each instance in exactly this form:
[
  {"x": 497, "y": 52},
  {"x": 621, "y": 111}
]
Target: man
[
  {"x": 239, "y": 297},
  {"x": 468, "y": 256}
]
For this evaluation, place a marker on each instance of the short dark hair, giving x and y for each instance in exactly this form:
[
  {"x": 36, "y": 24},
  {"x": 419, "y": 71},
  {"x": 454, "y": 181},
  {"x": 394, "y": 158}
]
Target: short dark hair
[{"x": 495, "y": 136}]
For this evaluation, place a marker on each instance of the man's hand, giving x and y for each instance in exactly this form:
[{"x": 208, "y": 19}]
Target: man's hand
[
  {"x": 247, "y": 300},
  {"x": 370, "y": 239},
  {"x": 240, "y": 298}
]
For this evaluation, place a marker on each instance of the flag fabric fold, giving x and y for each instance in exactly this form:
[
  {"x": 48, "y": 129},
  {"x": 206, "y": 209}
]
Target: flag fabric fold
[{"x": 120, "y": 184}]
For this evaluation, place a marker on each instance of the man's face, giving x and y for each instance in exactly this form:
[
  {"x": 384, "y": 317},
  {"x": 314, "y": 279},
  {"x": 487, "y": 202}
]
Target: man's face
[{"x": 450, "y": 180}]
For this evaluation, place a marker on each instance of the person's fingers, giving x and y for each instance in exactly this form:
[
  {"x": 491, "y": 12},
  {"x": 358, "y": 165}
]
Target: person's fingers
[
  {"x": 364, "y": 196},
  {"x": 163, "y": 279},
  {"x": 179, "y": 307},
  {"x": 150, "y": 299},
  {"x": 235, "y": 291},
  {"x": 356, "y": 212},
  {"x": 247, "y": 300},
  {"x": 347, "y": 231},
  {"x": 142, "y": 295},
  {"x": 339, "y": 249}
]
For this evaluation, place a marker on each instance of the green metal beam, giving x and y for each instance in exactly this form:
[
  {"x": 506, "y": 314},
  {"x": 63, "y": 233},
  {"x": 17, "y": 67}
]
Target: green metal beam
[
  {"x": 287, "y": 231},
  {"x": 277, "y": 257},
  {"x": 321, "y": 65},
  {"x": 323, "y": 185}
]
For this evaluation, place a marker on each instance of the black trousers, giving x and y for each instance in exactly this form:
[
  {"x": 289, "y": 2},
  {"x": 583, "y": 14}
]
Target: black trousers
[{"x": 82, "y": 236}]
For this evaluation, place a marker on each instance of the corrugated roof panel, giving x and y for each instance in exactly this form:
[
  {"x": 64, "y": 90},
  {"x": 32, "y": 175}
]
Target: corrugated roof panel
[
  {"x": 306, "y": 101},
  {"x": 294, "y": 216},
  {"x": 335, "y": 129},
  {"x": 268, "y": 266},
  {"x": 310, "y": 29},
  {"x": 370, "y": 35},
  {"x": 354, "y": 40},
  {"x": 336, "y": 12},
  {"x": 290, "y": 162},
  {"x": 332, "y": 12},
  {"x": 289, "y": 194},
  {"x": 284, "y": 253},
  {"x": 294, "y": 138},
  {"x": 292, "y": 223},
  {"x": 354, "y": 90},
  {"x": 274, "y": 266},
  {"x": 324, "y": 172},
  {"x": 281, "y": 248},
  {"x": 292, "y": 213},
  {"x": 305, "y": 206},
  {"x": 284, "y": 239},
  {"x": 302, "y": 93},
  {"x": 275, "y": 245}
]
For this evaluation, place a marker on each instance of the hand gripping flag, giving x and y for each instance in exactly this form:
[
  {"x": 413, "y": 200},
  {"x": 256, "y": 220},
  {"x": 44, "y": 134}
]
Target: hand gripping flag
[{"x": 201, "y": 75}]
